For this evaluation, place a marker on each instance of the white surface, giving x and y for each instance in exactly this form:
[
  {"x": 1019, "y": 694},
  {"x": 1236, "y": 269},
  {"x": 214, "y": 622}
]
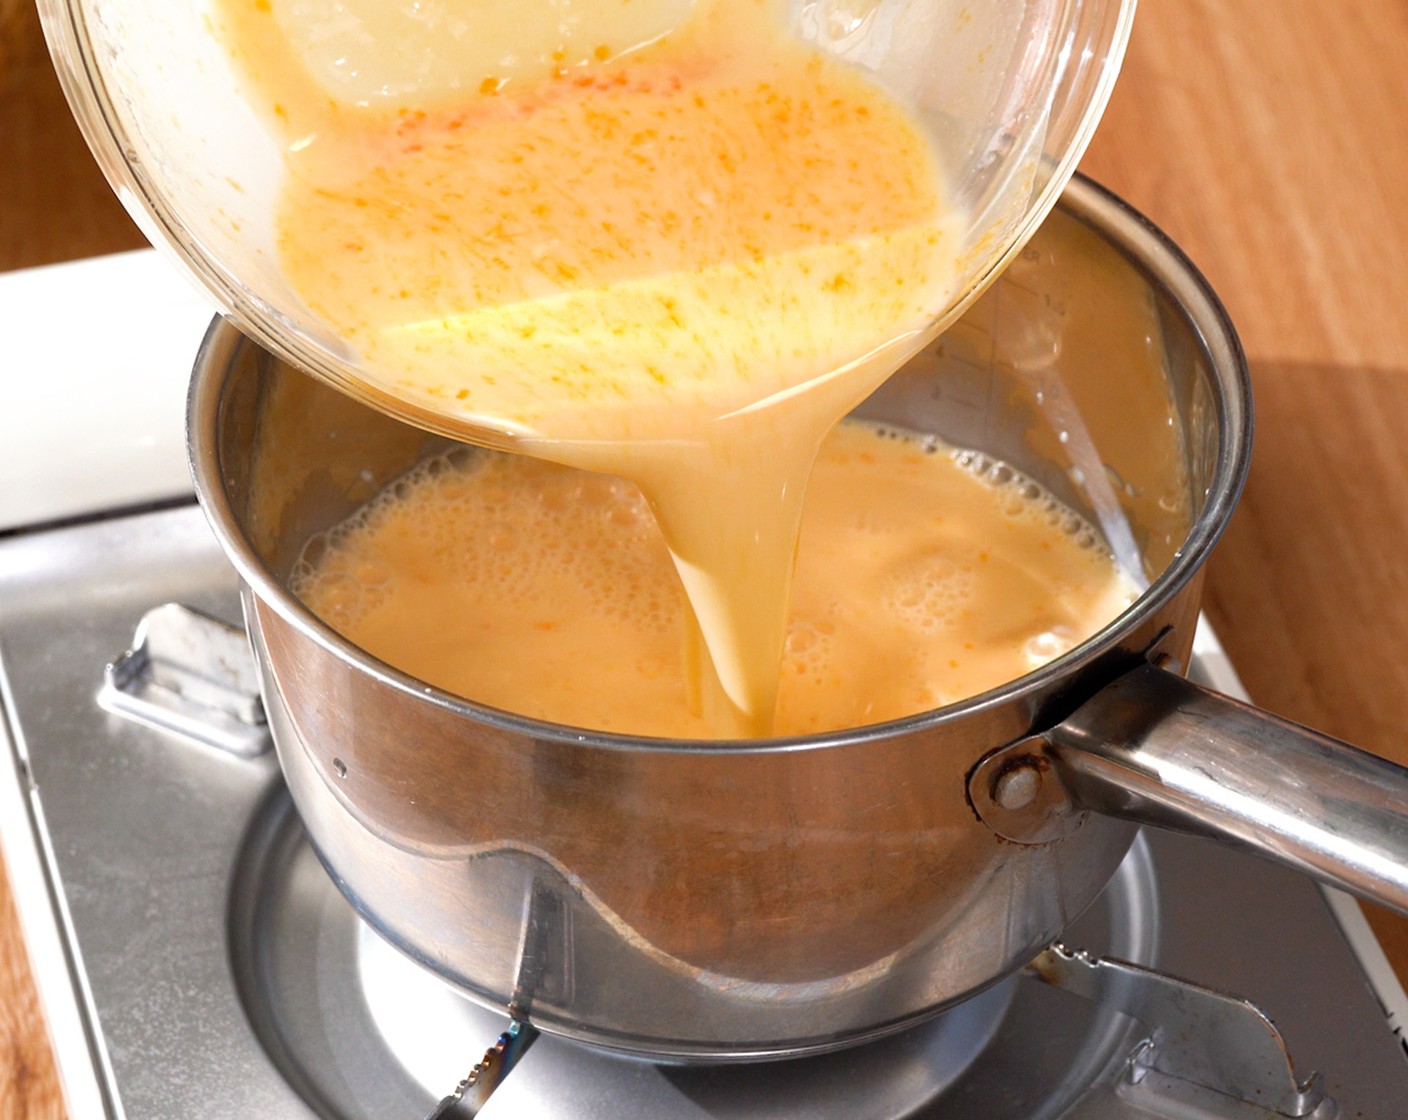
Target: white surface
[
  {"x": 62, "y": 994},
  {"x": 94, "y": 360}
]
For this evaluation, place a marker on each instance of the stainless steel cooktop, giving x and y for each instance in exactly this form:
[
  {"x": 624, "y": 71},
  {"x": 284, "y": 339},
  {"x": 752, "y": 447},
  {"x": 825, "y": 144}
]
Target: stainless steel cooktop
[{"x": 195, "y": 959}]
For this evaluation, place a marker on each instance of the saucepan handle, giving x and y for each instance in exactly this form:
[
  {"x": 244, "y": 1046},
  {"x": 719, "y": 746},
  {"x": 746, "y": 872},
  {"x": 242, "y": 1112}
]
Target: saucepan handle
[{"x": 1159, "y": 749}]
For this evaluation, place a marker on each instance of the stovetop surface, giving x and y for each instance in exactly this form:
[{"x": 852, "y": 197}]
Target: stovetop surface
[{"x": 184, "y": 978}]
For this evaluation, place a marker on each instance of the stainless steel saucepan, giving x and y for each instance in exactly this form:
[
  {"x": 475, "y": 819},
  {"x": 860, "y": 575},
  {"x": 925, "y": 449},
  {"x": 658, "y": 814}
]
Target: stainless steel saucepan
[{"x": 715, "y": 900}]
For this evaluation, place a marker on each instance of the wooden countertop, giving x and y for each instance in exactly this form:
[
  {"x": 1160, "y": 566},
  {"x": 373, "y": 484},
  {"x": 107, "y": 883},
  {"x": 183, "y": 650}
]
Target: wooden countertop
[{"x": 1271, "y": 142}]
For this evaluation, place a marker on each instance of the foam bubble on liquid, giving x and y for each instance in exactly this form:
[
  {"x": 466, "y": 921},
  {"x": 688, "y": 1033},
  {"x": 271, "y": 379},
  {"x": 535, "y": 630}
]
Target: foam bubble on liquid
[
  {"x": 1049, "y": 645},
  {"x": 930, "y": 591},
  {"x": 505, "y": 527},
  {"x": 1027, "y": 498}
]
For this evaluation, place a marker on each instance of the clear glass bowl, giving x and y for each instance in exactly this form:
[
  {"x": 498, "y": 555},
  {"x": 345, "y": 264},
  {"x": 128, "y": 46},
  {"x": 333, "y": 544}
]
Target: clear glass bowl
[{"x": 1009, "y": 91}]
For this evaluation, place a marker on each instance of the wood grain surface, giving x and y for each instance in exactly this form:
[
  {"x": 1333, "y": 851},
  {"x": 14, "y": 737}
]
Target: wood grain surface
[{"x": 1270, "y": 139}]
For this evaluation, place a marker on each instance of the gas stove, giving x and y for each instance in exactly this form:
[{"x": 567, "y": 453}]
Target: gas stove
[{"x": 194, "y": 958}]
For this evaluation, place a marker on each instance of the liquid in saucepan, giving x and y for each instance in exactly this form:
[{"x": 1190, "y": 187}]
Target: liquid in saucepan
[{"x": 925, "y": 575}]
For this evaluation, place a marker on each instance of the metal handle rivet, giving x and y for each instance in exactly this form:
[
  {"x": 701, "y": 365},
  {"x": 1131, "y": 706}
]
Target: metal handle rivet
[
  {"x": 340, "y": 767},
  {"x": 1017, "y": 786}
]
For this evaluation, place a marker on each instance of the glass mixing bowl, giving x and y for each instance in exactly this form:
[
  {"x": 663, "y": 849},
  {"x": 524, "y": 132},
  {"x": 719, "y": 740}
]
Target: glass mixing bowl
[{"x": 1008, "y": 90}]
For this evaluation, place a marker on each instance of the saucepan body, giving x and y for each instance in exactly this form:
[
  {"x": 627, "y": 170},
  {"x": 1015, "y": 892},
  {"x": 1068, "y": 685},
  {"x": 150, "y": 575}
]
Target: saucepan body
[{"x": 743, "y": 899}]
